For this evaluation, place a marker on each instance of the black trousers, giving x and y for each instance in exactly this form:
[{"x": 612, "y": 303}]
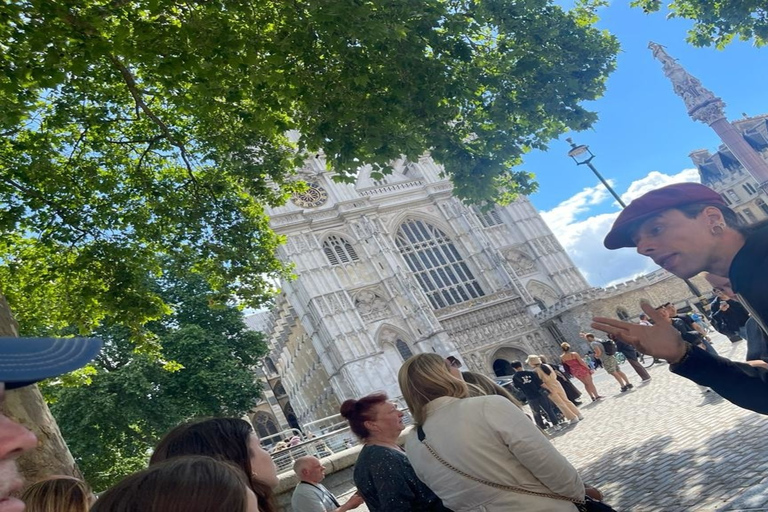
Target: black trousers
[{"x": 543, "y": 405}]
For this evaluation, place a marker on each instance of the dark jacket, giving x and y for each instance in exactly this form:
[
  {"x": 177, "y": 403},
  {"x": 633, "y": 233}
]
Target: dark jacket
[
  {"x": 628, "y": 350},
  {"x": 529, "y": 383},
  {"x": 730, "y": 320},
  {"x": 757, "y": 341},
  {"x": 749, "y": 274},
  {"x": 740, "y": 383}
]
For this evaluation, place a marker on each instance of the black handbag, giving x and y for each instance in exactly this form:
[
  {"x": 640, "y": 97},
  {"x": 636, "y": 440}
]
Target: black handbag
[{"x": 592, "y": 505}]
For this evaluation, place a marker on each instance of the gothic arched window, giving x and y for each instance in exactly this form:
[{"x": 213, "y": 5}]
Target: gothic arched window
[
  {"x": 488, "y": 218},
  {"x": 339, "y": 250},
  {"x": 762, "y": 206},
  {"x": 622, "y": 314},
  {"x": 750, "y": 216},
  {"x": 436, "y": 264},
  {"x": 264, "y": 424},
  {"x": 404, "y": 349}
]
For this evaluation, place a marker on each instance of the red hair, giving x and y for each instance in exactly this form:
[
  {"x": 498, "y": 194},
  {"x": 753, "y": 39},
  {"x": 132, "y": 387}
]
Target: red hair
[{"x": 357, "y": 412}]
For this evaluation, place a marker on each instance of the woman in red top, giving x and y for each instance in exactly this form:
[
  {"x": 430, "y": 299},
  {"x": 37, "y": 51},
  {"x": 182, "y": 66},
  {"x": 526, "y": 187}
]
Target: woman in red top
[{"x": 579, "y": 369}]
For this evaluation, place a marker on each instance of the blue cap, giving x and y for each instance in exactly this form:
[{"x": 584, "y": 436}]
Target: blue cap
[{"x": 24, "y": 361}]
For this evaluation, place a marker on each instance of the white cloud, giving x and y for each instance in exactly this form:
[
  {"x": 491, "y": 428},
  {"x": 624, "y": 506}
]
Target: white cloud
[{"x": 582, "y": 237}]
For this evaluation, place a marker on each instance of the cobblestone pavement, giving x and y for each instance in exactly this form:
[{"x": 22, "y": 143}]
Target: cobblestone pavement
[{"x": 666, "y": 446}]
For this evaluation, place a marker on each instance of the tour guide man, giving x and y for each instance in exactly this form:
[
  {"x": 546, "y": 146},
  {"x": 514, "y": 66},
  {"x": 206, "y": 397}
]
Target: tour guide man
[{"x": 686, "y": 228}]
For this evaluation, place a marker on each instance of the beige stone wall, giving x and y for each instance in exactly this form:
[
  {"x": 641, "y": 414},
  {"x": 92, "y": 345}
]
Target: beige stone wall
[{"x": 579, "y": 318}]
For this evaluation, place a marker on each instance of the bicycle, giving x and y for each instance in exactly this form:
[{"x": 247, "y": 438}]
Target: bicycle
[{"x": 648, "y": 361}]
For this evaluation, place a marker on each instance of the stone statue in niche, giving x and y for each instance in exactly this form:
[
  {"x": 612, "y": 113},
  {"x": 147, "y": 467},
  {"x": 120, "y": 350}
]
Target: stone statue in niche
[
  {"x": 476, "y": 363},
  {"x": 544, "y": 293},
  {"x": 365, "y": 227},
  {"x": 520, "y": 261},
  {"x": 371, "y": 305},
  {"x": 546, "y": 244}
]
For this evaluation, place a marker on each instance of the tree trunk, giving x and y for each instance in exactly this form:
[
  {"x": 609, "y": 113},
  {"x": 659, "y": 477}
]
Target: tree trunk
[{"x": 26, "y": 405}]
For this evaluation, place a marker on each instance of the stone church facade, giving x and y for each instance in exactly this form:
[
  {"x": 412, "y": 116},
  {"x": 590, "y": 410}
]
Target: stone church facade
[
  {"x": 397, "y": 266},
  {"x": 390, "y": 267}
]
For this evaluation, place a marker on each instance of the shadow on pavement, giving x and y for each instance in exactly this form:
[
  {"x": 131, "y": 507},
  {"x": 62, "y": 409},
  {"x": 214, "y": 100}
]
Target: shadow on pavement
[{"x": 649, "y": 477}]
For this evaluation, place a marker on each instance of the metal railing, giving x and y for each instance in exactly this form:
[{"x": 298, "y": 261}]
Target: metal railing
[{"x": 334, "y": 437}]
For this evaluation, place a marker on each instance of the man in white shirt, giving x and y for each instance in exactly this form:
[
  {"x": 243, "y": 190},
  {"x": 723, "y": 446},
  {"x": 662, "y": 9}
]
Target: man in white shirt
[{"x": 310, "y": 495}]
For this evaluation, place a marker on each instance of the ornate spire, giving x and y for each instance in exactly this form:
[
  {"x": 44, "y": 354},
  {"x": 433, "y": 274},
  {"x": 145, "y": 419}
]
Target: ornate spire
[{"x": 702, "y": 104}]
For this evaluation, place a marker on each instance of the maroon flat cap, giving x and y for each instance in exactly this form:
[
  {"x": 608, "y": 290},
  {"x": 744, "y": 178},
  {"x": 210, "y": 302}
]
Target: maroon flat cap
[{"x": 655, "y": 202}]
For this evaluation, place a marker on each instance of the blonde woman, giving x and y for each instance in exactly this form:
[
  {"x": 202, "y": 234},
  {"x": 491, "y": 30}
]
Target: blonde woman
[
  {"x": 485, "y": 437},
  {"x": 556, "y": 391},
  {"x": 57, "y": 494}
]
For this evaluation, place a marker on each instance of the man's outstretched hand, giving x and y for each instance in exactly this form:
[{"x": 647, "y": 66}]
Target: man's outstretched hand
[{"x": 659, "y": 340}]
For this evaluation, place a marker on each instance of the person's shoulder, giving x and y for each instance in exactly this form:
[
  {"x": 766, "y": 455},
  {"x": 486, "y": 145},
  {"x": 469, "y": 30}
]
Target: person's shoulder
[
  {"x": 374, "y": 453},
  {"x": 492, "y": 401},
  {"x": 303, "y": 491}
]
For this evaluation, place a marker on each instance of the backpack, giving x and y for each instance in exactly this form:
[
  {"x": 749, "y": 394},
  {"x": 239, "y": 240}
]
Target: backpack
[{"x": 609, "y": 347}]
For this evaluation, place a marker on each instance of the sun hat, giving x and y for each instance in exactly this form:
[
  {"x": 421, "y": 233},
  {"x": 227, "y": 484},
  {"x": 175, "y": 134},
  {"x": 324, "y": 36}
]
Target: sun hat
[{"x": 533, "y": 361}]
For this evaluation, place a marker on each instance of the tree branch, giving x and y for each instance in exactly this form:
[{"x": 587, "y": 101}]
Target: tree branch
[
  {"x": 56, "y": 208},
  {"x": 133, "y": 88},
  {"x": 146, "y": 151},
  {"x": 77, "y": 145}
]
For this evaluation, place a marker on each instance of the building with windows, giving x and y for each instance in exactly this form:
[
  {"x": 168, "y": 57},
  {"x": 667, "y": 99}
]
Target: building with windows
[
  {"x": 739, "y": 168},
  {"x": 722, "y": 172},
  {"x": 391, "y": 267}
]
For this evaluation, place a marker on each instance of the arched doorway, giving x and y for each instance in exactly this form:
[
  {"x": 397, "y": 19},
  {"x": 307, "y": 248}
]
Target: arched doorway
[{"x": 503, "y": 357}]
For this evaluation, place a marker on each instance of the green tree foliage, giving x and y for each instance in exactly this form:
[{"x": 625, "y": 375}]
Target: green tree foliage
[
  {"x": 718, "y": 22},
  {"x": 131, "y": 131},
  {"x": 133, "y": 399}
]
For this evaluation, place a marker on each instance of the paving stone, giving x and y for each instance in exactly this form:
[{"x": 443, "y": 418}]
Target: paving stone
[{"x": 665, "y": 447}]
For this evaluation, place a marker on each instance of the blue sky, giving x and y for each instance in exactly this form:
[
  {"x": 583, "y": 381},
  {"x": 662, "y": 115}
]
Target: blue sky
[{"x": 643, "y": 136}]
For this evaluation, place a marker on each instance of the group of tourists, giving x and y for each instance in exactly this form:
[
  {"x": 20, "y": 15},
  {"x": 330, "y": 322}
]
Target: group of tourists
[{"x": 472, "y": 446}]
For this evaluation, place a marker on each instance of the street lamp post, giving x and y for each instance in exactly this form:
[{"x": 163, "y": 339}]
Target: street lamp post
[{"x": 583, "y": 156}]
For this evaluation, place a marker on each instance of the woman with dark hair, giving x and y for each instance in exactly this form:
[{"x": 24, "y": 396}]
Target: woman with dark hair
[
  {"x": 229, "y": 439},
  {"x": 57, "y": 494},
  {"x": 183, "y": 484},
  {"x": 383, "y": 475}
]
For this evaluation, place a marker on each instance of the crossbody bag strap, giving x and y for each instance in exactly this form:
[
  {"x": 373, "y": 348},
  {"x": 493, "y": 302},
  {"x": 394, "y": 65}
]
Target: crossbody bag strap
[
  {"x": 422, "y": 437},
  {"x": 325, "y": 492}
]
